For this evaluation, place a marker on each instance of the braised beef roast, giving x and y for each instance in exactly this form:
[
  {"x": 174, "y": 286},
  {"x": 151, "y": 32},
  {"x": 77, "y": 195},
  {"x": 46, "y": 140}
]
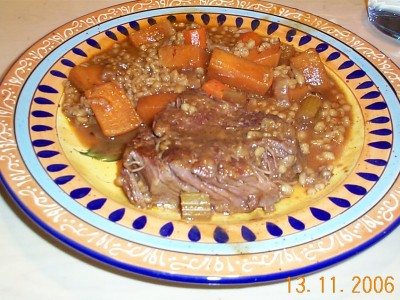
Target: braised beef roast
[{"x": 240, "y": 158}]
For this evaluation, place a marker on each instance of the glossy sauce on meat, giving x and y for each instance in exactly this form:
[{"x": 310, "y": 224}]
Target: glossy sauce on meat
[
  {"x": 208, "y": 146},
  {"x": 245, "y": 150}
]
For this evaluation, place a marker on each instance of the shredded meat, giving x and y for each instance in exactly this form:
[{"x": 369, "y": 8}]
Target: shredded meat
[{"x": 238, "y": 157}]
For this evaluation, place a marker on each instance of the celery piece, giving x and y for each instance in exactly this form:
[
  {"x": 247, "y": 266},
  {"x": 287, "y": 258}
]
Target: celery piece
[
  {"x": 195, "y": 206},
  {"x": 234, "y": 96},
  {"x": 309, "y": 107}
]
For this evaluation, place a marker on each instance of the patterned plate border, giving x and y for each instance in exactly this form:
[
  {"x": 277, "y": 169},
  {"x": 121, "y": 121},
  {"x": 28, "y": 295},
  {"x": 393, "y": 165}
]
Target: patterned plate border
[
  {"x": 148, "y": 260},
  {"x": 47, "y": 95}
]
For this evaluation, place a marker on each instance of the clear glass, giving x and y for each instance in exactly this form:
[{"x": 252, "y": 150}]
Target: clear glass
[{"x": 385, "y": 15}]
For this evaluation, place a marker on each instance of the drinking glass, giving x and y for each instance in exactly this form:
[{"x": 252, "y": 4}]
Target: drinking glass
[{"x": 385, "y": 15}]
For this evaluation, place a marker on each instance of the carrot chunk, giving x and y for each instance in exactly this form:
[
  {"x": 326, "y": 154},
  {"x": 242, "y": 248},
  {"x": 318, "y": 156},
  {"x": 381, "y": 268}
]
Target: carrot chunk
[
  {"x": 113, "y": 110},
  {"x": 148, "y": 106},
  {"x": 313, "y": 69},
  {"x": 283, "y": 88},
  {"x": 240, "y": 73},
  {"x": 86, "y": 77},
  {"x": 215, "y": 88},
  {"x": 269, "y": 56},
  {"x": 251, "y": 35},
  {"x": 182, "y": 57},
  {"x": 196, "y": 37},
  {"x": 154, "y": 33},
  {"x": 221, "y": 91}
]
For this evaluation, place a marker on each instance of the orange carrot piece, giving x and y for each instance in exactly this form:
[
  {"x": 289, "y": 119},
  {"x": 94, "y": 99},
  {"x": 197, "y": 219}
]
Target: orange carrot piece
[
  {"x": 251, "y": 35},
  {"x": 240, "y": 73},
  {"x": 268, "y": 57},
  {"x": 281, "y": 90},
  {"x": 220, "y": 91},
  {"x": 182, "y": 56},
  {"x": 196, "y": 37},
  {"x": 215, "y": 88},
  {"x": 154, "y": 33},
  {"x": 113, "y": 110},
  {"x": 148, "y": 106},
  {"x": 313, "y": 69},
  {"x": 86, "y": 77},
  {"x": 264, "y": 58},
  {"x": 298, "y": 93}
]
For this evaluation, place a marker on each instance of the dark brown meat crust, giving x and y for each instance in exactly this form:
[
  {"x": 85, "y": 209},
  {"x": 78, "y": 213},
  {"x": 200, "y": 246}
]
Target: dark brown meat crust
[{"x": 240, "y": 158}]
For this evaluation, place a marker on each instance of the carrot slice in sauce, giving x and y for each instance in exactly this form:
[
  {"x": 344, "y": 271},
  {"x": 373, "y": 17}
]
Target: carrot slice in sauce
[
  {"x": 182, "y": 57},
  {"x": 152, "y": 34},
  {"x": 269, "y": 56},
  {"x": 240, "y": 73},
  {"x": 313, "y": 69},
  {"x": 282, "y": 89},
  {"x": 196, "y": 37},
  {"x": 221, "y": 91},
  {"x": 251, "y": 35},
  {"x": 215, "y": 88},
  {"x": 113, "y": 110},
  {"x": 148, "y": 106},
  {"x": 86, "y": 77}
]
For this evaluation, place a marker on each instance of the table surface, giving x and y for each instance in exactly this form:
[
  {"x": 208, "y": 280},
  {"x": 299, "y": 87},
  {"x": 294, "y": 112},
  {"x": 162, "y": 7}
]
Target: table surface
[{"x": 34, "y": 266}]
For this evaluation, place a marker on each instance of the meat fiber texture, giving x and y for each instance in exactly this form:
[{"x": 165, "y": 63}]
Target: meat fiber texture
[{"x": 240, "y": 158}]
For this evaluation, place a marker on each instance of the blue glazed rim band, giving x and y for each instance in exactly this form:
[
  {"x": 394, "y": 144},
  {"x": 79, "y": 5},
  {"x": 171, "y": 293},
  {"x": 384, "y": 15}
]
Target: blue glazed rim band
[{"x": 23, "y": 138}]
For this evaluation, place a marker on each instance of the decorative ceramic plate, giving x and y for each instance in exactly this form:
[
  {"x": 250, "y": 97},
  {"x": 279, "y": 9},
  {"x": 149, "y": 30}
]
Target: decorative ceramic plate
[{"x": 73, "y": 197}]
